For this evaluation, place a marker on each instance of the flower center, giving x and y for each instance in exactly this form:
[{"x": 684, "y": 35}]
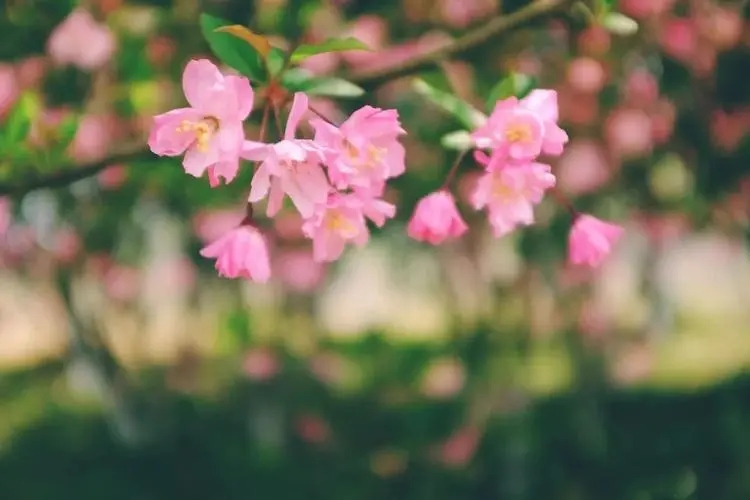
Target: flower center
[
  {"x": 518, "y": 132},
  {"x": 503, "y": 192},
  {"x": 367, "y": 159},
  {"x": 336, "y": 221},
  {"x": 203, "y": 130}
]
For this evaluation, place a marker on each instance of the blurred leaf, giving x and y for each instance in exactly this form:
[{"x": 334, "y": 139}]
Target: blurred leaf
[
  {"x": 330, "y": 87},
  {"x": 332, "y": 45},
  {"x": 462, "y": 111},
  {"x": 66, "y": 131},
  {"x": 513, "y": 85},
  {"x": 231, "y": 50},
  {"x": 620, "y": 24},
  {"x": 258, "y": 42},
  {"x": 459, "y": 140},
  {"x": 275, "y": 61},
  {"x": 294, "y": 79},
  {"x": 18, "y": 123}
]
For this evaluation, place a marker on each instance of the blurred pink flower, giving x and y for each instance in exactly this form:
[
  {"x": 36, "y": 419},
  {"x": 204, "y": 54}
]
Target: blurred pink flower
[
  {"x": 313, "y": 429},
  {"x": 122, "y": 283},
  {"x": 728, "y": 129},
  {"x": 210, "y": 225},
  {"x": 577, "y": 108},
  {"x": 112, "y": 177},
  {"x": 662, "y": 229},
  {"x": 81, "y": 41},
  {"x": 31, "y": 71},
  {"x": 260, "y": 364},
  {"x": 67, "y": 245},
  {"x": 628, "y": 133},
  {"x": 298, "y": 271},
  {"x": 328, "y": 367},
  {"x": 372, "y": 30},
  {"x": 9, "y": 88},
  {"x": 640, "y": 9},
  {"x": 594, "y": 41},
  {"x": 583, "y": 167},
  {"x": 679, "y": 39},
  {"x": 443, "y": 379},
  {"x": 460, "y": 447},
  {"x": 93, "y": 138},
  {"x": 288, "y": 226},
  {"x": 663, "y": 116},
  {"x": 160, "y": 50},
  {"x": 321, "y": 64},
  {"x": 593, "y": 322},
  {"x": 641, "y": 88},
  {"x": 721, "y": 26},
  {"x": 176, "y": 274},
  {"x": 591, "y": 240},
  {"x": 461, "y": 13},
  {"x": 5, "y": 215},
  {"x": 587, "y": 75}
]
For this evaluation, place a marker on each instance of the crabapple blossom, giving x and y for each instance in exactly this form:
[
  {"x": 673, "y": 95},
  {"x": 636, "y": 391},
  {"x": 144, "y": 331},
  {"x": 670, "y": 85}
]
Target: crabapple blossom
[
  {"x": 510, "y": 191},
  {"x": 436, "y": 219},
  {"x": 365, "y": 147},
  {"x": 339, "y": 221},
  {"x": 81, "y": 41},
  {"x": 210, "y": 131},
  {"x": 291, "y": 166},
  {"x": 591, "y": 240},
  {"x": 241, "y": 253}
]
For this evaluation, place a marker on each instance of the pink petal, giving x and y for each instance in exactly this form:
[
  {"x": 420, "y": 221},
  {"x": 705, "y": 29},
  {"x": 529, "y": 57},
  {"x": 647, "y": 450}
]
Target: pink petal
[
  {"x": 199, "y": 82},
  {"x": 243, "y": 94},
  {"x": 260, "y": 184},
  {"x": 196, "y": 162},
  {"x": 299, "y": 108}
]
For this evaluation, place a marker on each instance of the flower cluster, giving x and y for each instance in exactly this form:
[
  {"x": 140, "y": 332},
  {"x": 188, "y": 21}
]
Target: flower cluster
[
  {"x": 509, "y": 143},
  {"x": 336, "y": 180}
]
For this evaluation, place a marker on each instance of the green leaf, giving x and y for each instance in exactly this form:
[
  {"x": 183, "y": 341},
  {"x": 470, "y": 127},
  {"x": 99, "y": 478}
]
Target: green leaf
[
  {"x": 275, "y": 61},
  {"x": 329, "y": 87},
  {"x": 620, "y": 24},
  {"x": 295, "y": 79},
  {"x": 18, "y": 123},
  {"x": 332, "y": 45},
  {"x": 231, "y": 50},
  {"x": 513, "y": 85},
  {"x": 66, "y": 131},
  {"x": 459, "y": 140},
  {"x": 462, "y": 111}
]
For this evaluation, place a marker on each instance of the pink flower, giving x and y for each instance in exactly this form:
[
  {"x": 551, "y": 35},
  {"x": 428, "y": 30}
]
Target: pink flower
[
  {"x": 591, "y": 240},
  {"x": 93, "y": 138},
  {"x": 524, "y": 129},
  {"x": 679, "y": 38},
  {"x": 436, "y": 219},
  {"x": 260, "y": 364},
  {"x": 334, "y": 224},
  {"x": 112, "y": 177},
  {"x": 298, "y": 271},
  {"x": 586, "y": 74},
  {"x": 291, "y": 166},
  {"x": 510, "y": 191},
  {"x": 628, "y": 132},
  {"x": 241, "y": 253},
  {"x": 459, "y": 448},
  {"x": 81, "y": 41},
  {"x": 365, "y": 148},
  {"x": 209, "y": 132},
  {"x": 212, "y": 225}
]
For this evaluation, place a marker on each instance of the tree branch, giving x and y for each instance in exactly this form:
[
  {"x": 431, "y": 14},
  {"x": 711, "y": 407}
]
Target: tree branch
[
  {"x": 493, "y": 30},
  {"x": 496, "y": 28}
]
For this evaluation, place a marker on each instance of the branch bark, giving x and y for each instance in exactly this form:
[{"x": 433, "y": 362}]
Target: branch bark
[{"x": 493, "y": 30}]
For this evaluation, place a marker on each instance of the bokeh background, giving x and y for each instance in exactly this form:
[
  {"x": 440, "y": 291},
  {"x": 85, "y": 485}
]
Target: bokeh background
[{"x": 485, "y": 369}]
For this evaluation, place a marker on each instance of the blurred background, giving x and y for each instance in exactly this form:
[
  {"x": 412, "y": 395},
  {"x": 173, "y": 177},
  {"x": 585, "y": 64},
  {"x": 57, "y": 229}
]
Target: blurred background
[{"x": 482, "y": 369}]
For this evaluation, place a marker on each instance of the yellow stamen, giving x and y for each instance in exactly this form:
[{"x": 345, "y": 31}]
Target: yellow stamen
[
  {"x": 518, "y": 132},
  {"x": 335, "y": 221},
  {"x": 203, "y": 130}
]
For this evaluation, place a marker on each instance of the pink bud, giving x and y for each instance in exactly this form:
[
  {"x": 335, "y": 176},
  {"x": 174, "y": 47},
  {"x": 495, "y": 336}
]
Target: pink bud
[
  {"x": 591, "y": 240},
  {"x": 459, "y": 448},
  {"x": 92, "y": 139},
  {"x": 641, "y": 88},
  {"x": 587, "y": 75},
  {"x": 583, "y": 167},
  {"x": 628, "y": 133},
  {"x": 112, "y": 177},
  {"x": 436, "y": 219},
  {"x": 678, "y": 38},
  {"x": 241, "y": 253},
  {"x": 9, "y": 88},
  {"x": 81, "y": 41}
]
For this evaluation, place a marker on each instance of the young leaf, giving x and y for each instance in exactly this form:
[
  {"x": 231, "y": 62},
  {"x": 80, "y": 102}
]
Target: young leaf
[
  {"x": 515, "y": 84},
  {"x": 459, "y": 140},
  {"x": 620, "y": 24},
  {"x": 258, "y": 42},
  {"x": 333, "y": 45},
  {"x": 329, "y": 87},
  {"x": 231, "y": 50},
  {"x": 295, "y": 79},
  {"x": 462, "y": 111},
  {"x": 18, "y": 123},
  {"x": 275, "y": 61},
  {"x": 66, "y": 131}
]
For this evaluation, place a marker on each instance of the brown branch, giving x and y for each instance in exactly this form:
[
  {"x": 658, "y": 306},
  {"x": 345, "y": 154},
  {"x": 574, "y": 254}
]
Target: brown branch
[{"x": 494, "y": 29}]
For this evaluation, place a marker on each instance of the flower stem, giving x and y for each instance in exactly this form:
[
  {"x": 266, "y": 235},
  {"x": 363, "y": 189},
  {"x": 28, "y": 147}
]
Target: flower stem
[
  {"x": 564, "y": 202},
  {"x": 454, "y": 169}
]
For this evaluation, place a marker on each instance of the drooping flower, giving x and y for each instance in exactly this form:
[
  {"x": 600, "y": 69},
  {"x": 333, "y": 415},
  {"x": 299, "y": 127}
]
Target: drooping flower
[
  {"x": 290, "y": 166},
  {"x": 81, "y": 41},
  {"x": 365, "y": 148},
  {"x": 591, "y": 240},
  {"x": 436, "y": 219},
  {"x": 334, "y": 224},
  {"x": 209, "y": 132},
  {"x": 241, "y": 253},
  {"x": 510, "y": 191}
]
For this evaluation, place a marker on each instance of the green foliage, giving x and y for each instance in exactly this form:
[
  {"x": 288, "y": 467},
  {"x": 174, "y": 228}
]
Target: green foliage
[
  {"x": 299, "y": 80},
  {"x": 459, "y": 140},
  {"x": 333, "y": 45},
  {"x": 17, "y": 124},
  {"x": 464, "y": 112},
  {"x": 514, "y": 85},
  {"x": 231, "y": 50},
  {"x": 620, "y": 24}
]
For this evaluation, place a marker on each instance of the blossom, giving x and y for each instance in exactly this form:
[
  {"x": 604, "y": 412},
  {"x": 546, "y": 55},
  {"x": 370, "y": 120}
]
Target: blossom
[
  {"x": 436, "y": 219},
  {"x": 524, "y": 129},
  {"x": 591, "y": 240},
  {"x": 365, "y": 148},
  {"x": 337, "y": 222},
  {"x": 291, "y": 166},
  {"x": 209, "y": 132},
  {"x": 241, "y": 253},
  {"x": 81, "y": 41},
  {"x": 510, "y": 191}
]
